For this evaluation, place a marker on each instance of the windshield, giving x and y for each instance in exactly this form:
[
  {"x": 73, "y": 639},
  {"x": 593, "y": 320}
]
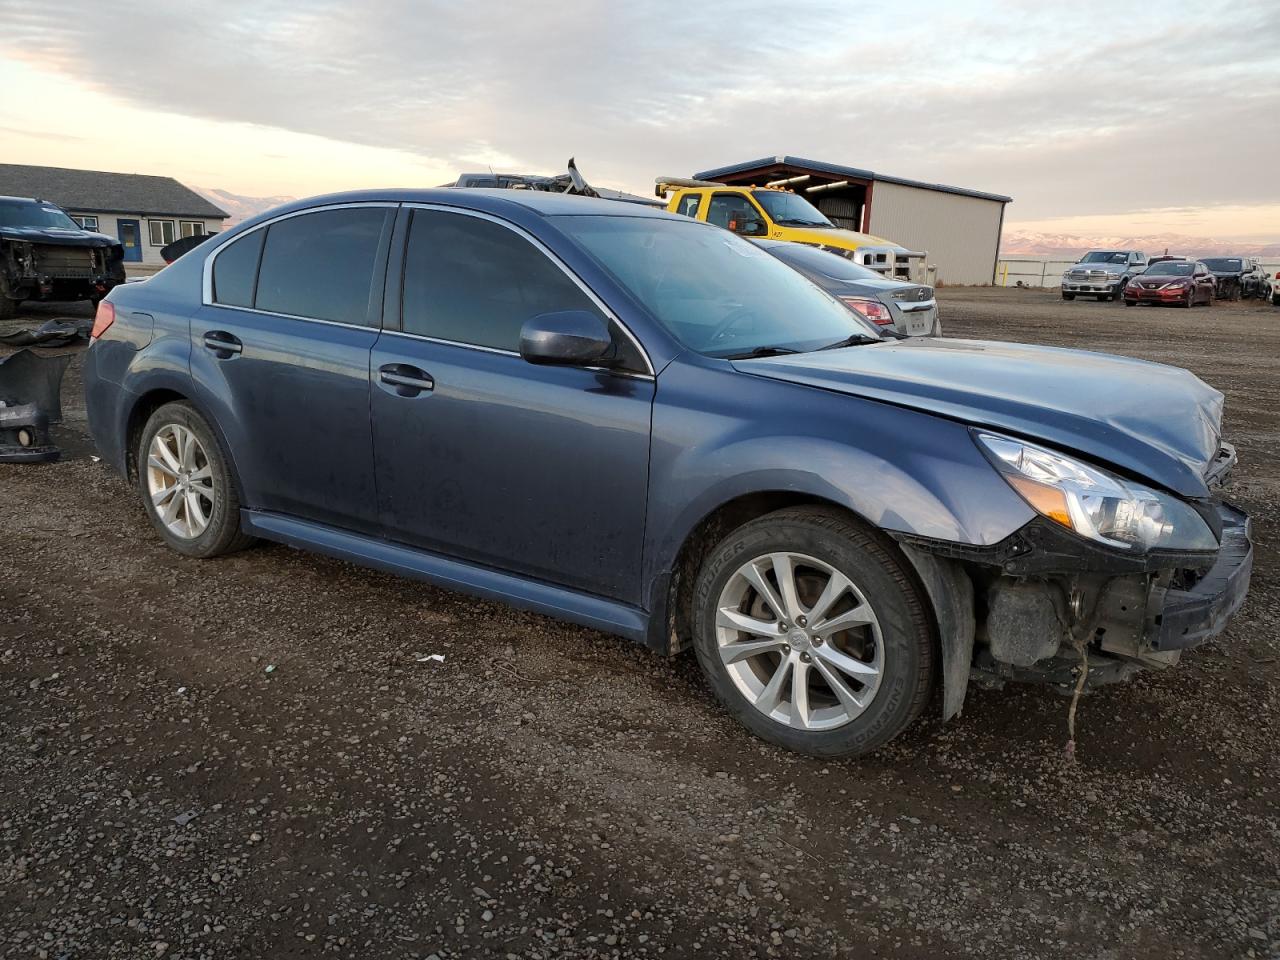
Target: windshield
[
  {"x": 790, "y": 209},
  {"x": 1225, "y": 264},
  {"x": 29, "y": 213},
  {"x": 804, "y": 257},
  {"x": 1104, "y": 256},
  {"x": 715, "y": 292},
  {"x": 1170, "y": 268}
]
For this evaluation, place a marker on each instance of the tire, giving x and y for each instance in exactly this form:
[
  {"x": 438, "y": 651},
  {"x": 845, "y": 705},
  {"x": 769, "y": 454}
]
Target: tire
[
  {"x": 1068, "y": 296},
  {"x": 1118, "y": 292},
  {"x": 1131, "y": 303},
  {"x": 1189, "y": 302},
  {"x": 8, "y": 306},
  {"x": 209, "y": 483},
  {"x": 897, "y": 643}
]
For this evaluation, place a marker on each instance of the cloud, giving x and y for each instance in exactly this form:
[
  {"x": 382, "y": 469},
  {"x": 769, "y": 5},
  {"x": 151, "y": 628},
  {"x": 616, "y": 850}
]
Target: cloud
[{"x": 1175, "y": 107}]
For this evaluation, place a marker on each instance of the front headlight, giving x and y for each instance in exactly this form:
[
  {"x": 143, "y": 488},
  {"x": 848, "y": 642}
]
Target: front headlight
[{"x": 1094, "y": 503}]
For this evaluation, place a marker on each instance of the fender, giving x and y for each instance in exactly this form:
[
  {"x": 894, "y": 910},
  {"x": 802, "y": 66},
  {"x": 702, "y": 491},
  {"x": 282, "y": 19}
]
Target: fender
[{"x": 717, "y": 438}]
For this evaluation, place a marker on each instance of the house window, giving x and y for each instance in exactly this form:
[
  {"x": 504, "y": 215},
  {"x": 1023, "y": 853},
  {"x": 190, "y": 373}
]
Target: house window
[
  {"x": 161, "y": 232},
  {"x": 191, "y": 228},
  {"x": 86, "y": 221}
]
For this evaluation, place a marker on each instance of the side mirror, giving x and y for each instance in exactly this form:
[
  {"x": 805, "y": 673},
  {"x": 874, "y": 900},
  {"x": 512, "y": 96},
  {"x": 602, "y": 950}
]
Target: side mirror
[{"x": 565, "y": 338}]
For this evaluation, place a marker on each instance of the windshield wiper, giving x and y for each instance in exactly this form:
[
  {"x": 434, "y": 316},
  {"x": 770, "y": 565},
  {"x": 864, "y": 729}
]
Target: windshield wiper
[
  {"x": 797, "y": 222},
  {"x": 761, "y": 352},
  {"x": 853, "y": 340}
]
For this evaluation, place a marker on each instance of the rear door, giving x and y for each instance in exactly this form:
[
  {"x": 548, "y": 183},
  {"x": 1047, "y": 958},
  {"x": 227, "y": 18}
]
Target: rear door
[
  {"x": 536, "y": 470},
  {"x": 280, "y": 356}
]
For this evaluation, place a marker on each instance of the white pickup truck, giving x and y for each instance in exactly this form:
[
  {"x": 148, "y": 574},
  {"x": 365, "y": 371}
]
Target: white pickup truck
[{"x": 1102, "y": 274}]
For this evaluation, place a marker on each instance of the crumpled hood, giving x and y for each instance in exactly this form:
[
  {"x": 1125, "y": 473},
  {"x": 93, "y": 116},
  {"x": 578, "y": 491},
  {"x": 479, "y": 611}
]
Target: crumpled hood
[
  {"x": 58, "y": 235},
  {"x": 1158, "y": 422}
]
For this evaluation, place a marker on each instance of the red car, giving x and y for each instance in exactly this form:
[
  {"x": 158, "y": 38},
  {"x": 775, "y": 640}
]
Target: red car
[{"x": 1183, "y": 283}]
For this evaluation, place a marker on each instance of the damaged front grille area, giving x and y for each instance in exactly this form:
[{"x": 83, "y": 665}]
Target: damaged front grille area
[{"x": 67, "y": 263}]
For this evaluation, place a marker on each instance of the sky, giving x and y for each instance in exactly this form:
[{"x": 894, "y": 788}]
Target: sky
[{"x": 1093, "y": 116}]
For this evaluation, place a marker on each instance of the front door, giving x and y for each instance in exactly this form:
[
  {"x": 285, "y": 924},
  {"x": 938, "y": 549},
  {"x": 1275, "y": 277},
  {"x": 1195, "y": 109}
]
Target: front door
[
  {"x": 130, "y": 234},
  {"x": 281, "y": 356},
  {"x": 535, "y": 470}
]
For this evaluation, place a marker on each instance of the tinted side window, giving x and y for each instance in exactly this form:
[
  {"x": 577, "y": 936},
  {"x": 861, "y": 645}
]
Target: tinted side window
[
  {"x": 730, "y": 206},
  {"x": 688, "y": 205},
  {"x": 473, "y": 281},
  {"x": 236, "y": 269},
  {"x": 322, "y": 264}
]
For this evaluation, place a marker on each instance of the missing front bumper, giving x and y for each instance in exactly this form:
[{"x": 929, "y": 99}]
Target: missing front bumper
[{"x": 1041, "y": 596}]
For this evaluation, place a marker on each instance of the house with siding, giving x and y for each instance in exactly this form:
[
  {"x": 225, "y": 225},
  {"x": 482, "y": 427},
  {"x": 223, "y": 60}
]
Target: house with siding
[{"x": 145, "y": 212}]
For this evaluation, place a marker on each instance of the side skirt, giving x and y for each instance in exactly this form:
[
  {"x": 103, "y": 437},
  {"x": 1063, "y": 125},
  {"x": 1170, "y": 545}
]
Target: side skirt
[{"x": 537, "y": 596}]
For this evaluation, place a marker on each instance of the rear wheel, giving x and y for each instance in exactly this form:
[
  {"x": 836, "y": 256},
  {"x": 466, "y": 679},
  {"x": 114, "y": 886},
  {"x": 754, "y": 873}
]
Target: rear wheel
[
  {"x": 186, "y": 484},
  {"x": 813, "y": 633}
]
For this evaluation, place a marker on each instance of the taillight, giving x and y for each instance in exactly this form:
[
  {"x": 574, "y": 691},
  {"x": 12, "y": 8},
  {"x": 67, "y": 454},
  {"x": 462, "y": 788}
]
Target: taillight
[
  {"x": 872, "y": 310},
  {"x": 104, "y": 318}
]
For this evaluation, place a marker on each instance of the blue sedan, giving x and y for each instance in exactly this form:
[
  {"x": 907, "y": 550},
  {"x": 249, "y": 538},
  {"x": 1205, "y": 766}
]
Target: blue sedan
[{"x": 641, "y": 423}]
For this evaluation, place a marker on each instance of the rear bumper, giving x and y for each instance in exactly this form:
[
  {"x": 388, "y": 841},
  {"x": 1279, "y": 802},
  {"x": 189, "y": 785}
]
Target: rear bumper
[{"x": 1190, "y": 617}]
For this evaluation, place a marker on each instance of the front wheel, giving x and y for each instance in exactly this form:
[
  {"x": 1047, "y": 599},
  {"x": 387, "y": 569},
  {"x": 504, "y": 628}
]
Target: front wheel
[
  {"x": 186, "y": 484},
  {"x": 1131, "y": 303},
  {"x": 1068, "y": 296},
  {"x": 814, "y": 633}
]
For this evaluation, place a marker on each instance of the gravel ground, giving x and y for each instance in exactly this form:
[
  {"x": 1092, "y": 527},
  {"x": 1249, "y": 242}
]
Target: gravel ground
[{"x": 246, "y": 757}]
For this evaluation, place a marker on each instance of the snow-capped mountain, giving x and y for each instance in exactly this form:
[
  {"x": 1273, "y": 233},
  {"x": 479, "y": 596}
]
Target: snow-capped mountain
[
  {"x": 240, "y": 207},
  {"x": 1028, "y": 243}
]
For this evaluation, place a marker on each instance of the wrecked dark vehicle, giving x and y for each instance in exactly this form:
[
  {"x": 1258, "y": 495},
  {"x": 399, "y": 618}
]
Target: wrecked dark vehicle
[
  {"x": 656, "y": 429},
  {"x": 45, "y": 255},
  {"x": 571, "y": 182}
]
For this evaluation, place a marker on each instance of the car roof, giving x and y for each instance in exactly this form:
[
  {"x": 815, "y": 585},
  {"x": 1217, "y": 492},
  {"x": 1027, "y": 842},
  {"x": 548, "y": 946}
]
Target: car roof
[{"x": 490, "y": 199}]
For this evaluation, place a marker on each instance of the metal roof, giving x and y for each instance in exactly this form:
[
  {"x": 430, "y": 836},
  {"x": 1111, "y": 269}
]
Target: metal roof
[
  {"x": 95, "y": 191},
  {"x": 818, "y": 166}
]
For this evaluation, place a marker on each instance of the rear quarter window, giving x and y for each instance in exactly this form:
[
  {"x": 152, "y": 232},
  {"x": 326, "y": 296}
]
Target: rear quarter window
[{"x": 235, "y": 269}]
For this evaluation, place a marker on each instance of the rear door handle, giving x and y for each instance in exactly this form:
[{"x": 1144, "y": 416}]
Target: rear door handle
[
  {"x": 405, "y": 380},
  {"x": 223, "y": 344}
]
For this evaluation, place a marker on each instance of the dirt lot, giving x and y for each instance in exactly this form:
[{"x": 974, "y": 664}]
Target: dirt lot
[{"x": 551, "y": 792}]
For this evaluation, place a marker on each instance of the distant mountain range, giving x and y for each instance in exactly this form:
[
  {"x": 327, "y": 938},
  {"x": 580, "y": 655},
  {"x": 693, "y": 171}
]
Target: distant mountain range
[
  {"x": 1015, "y": 243},
  {"x": 240, "y": 207}
]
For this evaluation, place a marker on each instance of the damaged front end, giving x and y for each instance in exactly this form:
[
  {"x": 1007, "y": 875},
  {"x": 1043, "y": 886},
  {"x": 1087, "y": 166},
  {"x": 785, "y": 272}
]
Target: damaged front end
[
  {"x": 1112, "y": 578},
  {"x": 57, "y": 270}
]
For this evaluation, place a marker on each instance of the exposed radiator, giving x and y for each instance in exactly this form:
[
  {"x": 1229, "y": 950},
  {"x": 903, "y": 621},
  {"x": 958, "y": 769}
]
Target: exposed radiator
[{"x": 67, "y": 262}]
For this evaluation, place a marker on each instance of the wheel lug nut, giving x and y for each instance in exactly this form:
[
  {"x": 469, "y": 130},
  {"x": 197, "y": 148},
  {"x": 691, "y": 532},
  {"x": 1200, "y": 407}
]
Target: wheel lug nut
[
  {"x": 804, "y": 658},
  {"x": 802, "y": 621},
  {"x": 817, "y": 641},
  {"x": 783, "y": 626},
  {"x": 786, "y": 648}
]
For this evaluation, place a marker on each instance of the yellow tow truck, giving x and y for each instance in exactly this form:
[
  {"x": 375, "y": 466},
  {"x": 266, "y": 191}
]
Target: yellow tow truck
[{"x": 779, "y": 214}]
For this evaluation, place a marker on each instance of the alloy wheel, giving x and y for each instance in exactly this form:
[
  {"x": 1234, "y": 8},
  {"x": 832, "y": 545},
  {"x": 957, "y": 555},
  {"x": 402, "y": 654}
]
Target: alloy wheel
[
  {"x": 180, "y": 481},
  {"x": 800, "y": 641}
]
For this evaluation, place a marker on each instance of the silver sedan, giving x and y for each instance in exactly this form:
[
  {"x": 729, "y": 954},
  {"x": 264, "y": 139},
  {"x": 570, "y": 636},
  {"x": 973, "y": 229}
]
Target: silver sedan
[{"x": 908, "y": 309}]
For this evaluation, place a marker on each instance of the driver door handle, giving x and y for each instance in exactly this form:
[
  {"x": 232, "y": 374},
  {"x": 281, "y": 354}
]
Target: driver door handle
[{"x": 405, "y": 380}]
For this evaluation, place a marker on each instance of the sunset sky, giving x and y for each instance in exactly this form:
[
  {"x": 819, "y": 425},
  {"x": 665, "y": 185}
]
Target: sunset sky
[{"x": 1096, "y": 117}]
